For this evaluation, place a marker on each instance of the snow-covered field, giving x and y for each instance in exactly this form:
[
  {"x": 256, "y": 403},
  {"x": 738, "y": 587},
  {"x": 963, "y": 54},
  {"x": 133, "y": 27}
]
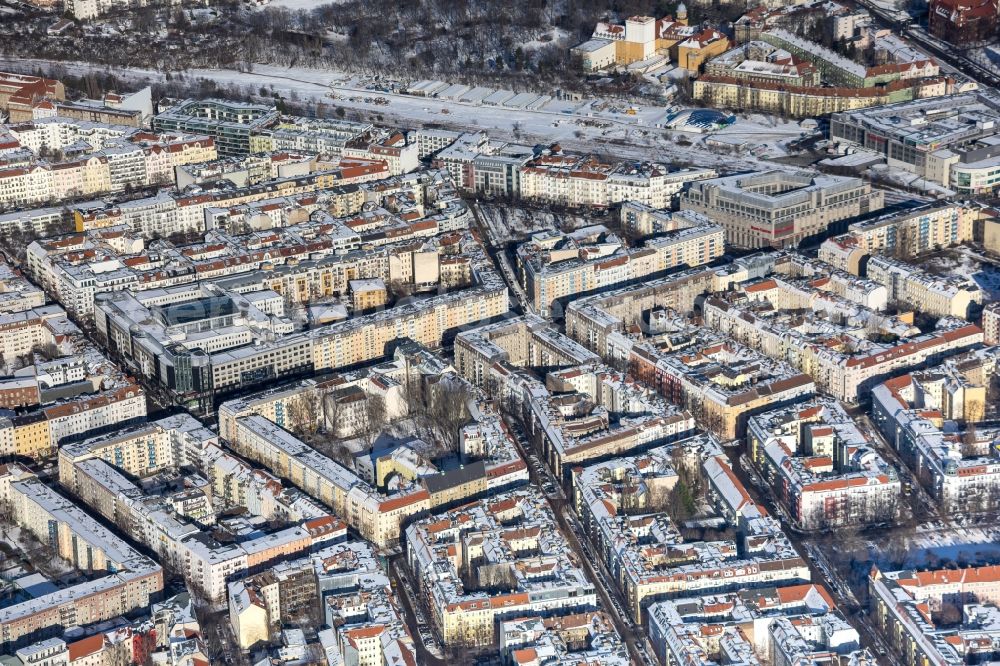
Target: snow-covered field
[
  {"x": 970, "y": 545},
  {"x": 765, "y": 134},
  {"x": 937, "y": 545},
  {"x": 966, "y": 261},
  {"x": 591, "y": 125}
]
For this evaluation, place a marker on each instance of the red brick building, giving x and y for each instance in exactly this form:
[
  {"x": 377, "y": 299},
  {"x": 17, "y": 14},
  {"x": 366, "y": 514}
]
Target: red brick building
[
  {"x": 963, "y": 21},
  {"x": 18, "y": 92},
  {"x": 18, "y": 392}
]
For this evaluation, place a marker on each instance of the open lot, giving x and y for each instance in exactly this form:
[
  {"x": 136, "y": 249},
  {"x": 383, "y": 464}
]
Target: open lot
[
  {"x": 517, "y": 223},
  {"x": 968, "y": 261}
]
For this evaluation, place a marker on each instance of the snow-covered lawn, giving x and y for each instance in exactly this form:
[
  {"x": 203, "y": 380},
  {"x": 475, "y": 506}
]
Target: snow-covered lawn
[
  {"x": 936, "y": 546},
  {"x": 967, "y": 261},
  {"x": 27, "y": 547},
  {"x": 968, "y": 545}
]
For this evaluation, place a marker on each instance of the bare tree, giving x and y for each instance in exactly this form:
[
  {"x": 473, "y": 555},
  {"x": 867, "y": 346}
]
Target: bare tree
[
  {"x": 874, "y": 325},
  {"x": 496, "y": 577},
  {"x": 448, "y": 412},
  {"x": 970, "y": 447},
  {"x": 374, "y": 418},
  {"x": 304, "y": 413},
  {"x": 415, "y": 396}
]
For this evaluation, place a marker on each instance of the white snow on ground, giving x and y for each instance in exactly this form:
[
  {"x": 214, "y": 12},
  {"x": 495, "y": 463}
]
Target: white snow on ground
[
  {"x": 972, "y": 545},
  {"x": 592, "y": 125},
  {"x": 295, "y": 5},
  {"x": 907, "y": 179},
  {"x": 23, "y": 545},
  {"x": 938, "y": 545},
  {"x": 554, "y": 36},
  {"x": 767, "y": 132},
  {"x": 511, "y": 222},
  {"x": 965, "y": 261}
]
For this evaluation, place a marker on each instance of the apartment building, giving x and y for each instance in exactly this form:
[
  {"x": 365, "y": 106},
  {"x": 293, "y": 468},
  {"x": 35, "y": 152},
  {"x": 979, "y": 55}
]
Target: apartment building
[
  {"x": 132, "y": 581},
  {"x": 823, "y": 276},
  {"x": 221, "y": 206},
  {"x": 901, "y": 235},
  {"x": 583, "y": 422},
  {"x": 132, "y": 110},
  {"x": 19, "y": 92},
  {"x": 207, "y": 562},
  {"x": 29, "y": 329},
  {"x": 720, "y": 382},
  {"x": 937, "y": 295},
  {"x": 73, "y": 419},
  {"x": 991, "y": 323},
  {"x": 74, "y": 136},
  {"x": 368, "y": 295},
  {"x": 138, "y": 162},
  {"x": 16, "y": 293},
  {"x": 919, "y": 413},
  {"x": 229, "y": 123},
  {"x": 505, "y": 538},
  {"x": 821, "y": 467},
  {"x": 68, "y": 393},
  {"x": 904, "y": 605},
  {"x": 141, "y": 450},
  {"x": 398, "y": 150},
  {"x": 621, "y": 504},
  {"x": 565, "y": 638},
  {"x": 303, "y": 259},
  {"x": 125, "y": 643},
  {"x": 376, "y": 517},
  {"x": 777, "y": 208},
  {"x": 841, "y": 71},
  {"x": 202, "y": 363},
  {"x": 556, "y": 267},
  {"x": 584, "y": 180},
  {"x": 375, "y": 514},
  {"x": 759, "y": 62},
  {"x": 733, "y": 90},
  {"x": 599, "y": 322},
  {"x": 789, "y": 624},
  {"x": 840, "y": 358},
  {"x": 246, "y": 170},
  {"x": 526, "y": 341},
  {"x": 169, "y": 522},
  {"x": 345, "y": 577},
  {"x": 579, "y": 411},
  {"x": 478, "y": 164}
]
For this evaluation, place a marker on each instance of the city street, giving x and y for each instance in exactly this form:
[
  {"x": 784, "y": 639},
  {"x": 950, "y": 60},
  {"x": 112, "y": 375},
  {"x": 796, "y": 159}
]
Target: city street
[{"x": 633, "y": 635}]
